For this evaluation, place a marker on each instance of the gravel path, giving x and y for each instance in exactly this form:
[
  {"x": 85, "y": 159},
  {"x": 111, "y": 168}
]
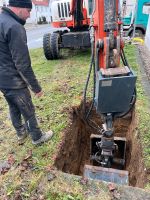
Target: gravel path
[{"x": 143, "y": 58}]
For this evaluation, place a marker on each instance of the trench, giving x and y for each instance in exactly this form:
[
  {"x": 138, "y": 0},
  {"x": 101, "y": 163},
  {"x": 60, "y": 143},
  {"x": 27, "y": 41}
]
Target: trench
[{"x": 74, "y": 152}]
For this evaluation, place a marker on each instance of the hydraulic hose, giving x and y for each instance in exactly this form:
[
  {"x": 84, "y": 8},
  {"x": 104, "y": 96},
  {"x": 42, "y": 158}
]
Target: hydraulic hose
[
  {"x": 92, "y": 65},
  {"x": 119, "y": 115},
  {"x": 125, "y": 62}
]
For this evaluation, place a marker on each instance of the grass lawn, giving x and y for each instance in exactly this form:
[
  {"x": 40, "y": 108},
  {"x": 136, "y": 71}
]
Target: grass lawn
[{"x": 63, "y": 83}]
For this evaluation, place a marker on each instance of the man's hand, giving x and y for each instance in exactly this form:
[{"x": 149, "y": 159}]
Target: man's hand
[{"x": 39, "y": 94}]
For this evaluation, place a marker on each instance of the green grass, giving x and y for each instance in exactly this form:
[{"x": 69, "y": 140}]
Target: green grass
[
  {"x": 63, "y": 83},
  {"x": 142, "y": 110}
]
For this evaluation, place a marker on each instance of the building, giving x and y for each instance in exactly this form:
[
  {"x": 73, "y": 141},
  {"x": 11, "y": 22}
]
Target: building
[
  {"x": 147, "y": 37},
  {"x": 41, "y": 10},
  {"x": 130, "y": 4},
  {"x": 3, "y": 3},
  {"x": 146, "y": 10}
]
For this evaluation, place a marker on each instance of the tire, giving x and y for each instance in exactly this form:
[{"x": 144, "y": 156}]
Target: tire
[
  {"x": 138, "y": 33},
  {"x": 47, "y": 46},
  {"x": 54, "y": 42}
]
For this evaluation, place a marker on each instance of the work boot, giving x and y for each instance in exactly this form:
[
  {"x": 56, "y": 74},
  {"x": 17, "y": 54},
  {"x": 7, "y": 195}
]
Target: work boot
[
  {"x": 22, "y": 138},
  {"x": 44, "y": 138}
]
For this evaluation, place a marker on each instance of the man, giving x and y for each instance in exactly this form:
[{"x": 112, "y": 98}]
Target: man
[{"x": 16, "y": 73}]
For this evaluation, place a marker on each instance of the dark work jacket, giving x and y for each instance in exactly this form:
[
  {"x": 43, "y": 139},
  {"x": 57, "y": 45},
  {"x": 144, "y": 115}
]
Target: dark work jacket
[{"x": 15, "y": 64}]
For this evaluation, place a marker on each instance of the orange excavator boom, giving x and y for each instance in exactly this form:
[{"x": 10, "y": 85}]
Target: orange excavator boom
[
  {"x": 79, "y": 13},
  {"x": 114, "y": 93}
]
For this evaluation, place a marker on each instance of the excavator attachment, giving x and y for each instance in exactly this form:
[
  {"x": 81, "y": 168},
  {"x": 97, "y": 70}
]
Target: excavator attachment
[
  {"x": 106, "y": 174},
  {"x": 114, "y": 93},
  {"x": 97, "y": 170},
  {"x": 114, "y": 97}
]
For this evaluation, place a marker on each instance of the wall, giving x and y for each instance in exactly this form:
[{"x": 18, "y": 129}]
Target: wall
[{"x": 147, "y": 37}]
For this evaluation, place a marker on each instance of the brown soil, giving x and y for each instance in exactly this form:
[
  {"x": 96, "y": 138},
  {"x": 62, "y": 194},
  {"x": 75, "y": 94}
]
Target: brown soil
[{"x": 74, "y": 152}]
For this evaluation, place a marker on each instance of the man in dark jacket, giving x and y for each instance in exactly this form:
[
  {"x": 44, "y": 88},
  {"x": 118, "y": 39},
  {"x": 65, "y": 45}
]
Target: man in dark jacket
[{"x": 16, "y": 74}]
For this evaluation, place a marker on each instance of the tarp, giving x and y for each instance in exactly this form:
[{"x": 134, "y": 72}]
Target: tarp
[{"x": 41, "y": 2}]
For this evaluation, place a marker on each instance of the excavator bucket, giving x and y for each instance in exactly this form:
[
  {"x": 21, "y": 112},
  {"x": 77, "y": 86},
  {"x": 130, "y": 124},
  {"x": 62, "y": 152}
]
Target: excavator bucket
[
  {"x": 115, "y": 174},
  {"x": 106, "y": 174}
]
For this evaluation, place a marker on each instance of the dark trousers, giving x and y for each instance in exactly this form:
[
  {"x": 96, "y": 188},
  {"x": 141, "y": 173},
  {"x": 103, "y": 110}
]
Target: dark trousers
[{"x": 20, "y": 105}]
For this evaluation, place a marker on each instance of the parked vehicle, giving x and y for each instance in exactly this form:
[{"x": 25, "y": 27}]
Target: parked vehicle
[
  {"x": 135, "y": 17},
  {"x": 74, "y": 15}
]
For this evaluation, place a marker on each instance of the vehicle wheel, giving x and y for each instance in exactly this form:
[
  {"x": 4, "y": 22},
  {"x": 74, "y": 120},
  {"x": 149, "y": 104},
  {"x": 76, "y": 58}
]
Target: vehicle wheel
[
  {"x": 55, "y": 45},
  {"x": 139, "y": 33},
  {"x": 47, "y": 46}
]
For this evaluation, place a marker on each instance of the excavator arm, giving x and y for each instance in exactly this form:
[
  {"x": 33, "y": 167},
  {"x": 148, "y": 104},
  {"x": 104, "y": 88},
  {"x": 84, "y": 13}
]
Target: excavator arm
[
  {"x": 114, "y": 94},
  {"x": 79, "y": 13},
  {"x": 76, "y": 4}
]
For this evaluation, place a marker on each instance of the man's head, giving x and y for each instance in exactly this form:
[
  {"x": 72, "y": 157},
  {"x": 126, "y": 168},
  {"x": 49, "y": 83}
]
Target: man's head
[{"x": 22, "y": 8}]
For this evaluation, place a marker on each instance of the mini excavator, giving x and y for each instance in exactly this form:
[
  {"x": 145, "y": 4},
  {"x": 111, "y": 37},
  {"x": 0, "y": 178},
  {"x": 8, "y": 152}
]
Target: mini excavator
[
  {"x": 73, "y": 15},
  {"x": 114, "y": 92}
]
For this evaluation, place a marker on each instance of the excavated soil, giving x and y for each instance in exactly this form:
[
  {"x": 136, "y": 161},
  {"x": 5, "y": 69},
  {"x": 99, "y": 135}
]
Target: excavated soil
[{"x": 74, "y": 152}]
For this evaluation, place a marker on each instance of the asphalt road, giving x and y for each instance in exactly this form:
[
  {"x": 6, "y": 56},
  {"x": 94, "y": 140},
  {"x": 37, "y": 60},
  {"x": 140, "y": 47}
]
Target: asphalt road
[{"x": 35, "y": 34}]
